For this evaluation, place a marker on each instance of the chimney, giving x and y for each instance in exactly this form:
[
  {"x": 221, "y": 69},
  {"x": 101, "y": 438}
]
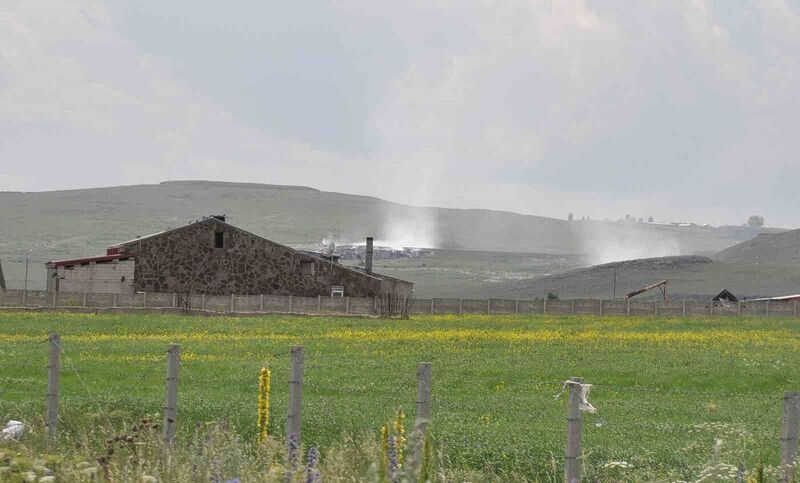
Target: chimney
[{"x": 368, "y": 258}]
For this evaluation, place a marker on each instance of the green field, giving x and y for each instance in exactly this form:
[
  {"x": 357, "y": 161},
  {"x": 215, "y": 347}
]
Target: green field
[{"x": 665, "y": 389}]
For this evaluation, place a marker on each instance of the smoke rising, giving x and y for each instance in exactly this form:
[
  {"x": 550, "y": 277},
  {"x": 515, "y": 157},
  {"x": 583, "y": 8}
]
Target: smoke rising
[
  {"x": 408, "y": 227},
  {"x": 604, "y": 243}
]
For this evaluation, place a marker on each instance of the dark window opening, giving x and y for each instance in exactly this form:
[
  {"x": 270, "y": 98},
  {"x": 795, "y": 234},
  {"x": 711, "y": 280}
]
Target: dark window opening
[
  {"x": 219, "y": 239},
  {"x": 307, "y": 267}
]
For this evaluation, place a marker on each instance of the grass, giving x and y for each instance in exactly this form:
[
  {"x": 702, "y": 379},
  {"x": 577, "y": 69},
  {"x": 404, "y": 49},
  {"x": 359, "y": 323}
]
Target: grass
[{"x": 665, "y": 389}]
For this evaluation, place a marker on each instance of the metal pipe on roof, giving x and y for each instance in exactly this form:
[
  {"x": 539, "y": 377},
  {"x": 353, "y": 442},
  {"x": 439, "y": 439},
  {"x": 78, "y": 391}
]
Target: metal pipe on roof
[{"x": 368, "y": 258}]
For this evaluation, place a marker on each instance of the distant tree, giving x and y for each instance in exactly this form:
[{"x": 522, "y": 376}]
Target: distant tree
[
  {"x": 552, "y": 296},
  {"x": 570, "y": 217},
  {"x": 650, "y": 220},
  {"x": 755, "y": 221}
]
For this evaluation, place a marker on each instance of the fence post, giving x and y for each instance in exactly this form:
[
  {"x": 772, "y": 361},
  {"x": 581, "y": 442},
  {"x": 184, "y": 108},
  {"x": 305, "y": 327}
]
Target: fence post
[
  {"x": 572, "y": 453},
  {"x": 655, "y": 309},
  {"x": 516, "y": 306},
  {"x": 739, "y": 308},
  {"x": 489, "y": 306},
  {"x": 711, "y": 308},
  {"x": 174, "y": 300},
  {"x": 600, "y": 308},
  {"x": 794, "y": 308},
  {"x": 684, "y": 307},
  {"x": 571, "y": 306},
  {"x": 233, "y": 303},
  {"x": 202, "y": 301},
  {"x": 789, "y": 434},
  {"x": 261, "y": 303},
  {"x": 628, "y": 307},
  {"x": 295, "y": 394},
  {"x": 432, "y": 305},
  {"x": 347, "y": 305},
  {"x": 460, "y": 306},
  {"x": 423, "y": 417},
  {"x": 24, "y": 297},
  {"x": 544, "y": 307},
  {"x": 55, "y": 297},
  {"x": 171, "y": 397},
  {"x": 84, "y": 299},
  {"x": 766, "y": 308},
  {"x": 114, "y": 301},
  {"x": 51, "y": 418}
]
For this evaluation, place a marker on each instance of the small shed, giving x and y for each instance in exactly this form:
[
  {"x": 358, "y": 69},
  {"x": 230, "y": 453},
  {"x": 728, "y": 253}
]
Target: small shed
[{"x": 725, "y": 297}]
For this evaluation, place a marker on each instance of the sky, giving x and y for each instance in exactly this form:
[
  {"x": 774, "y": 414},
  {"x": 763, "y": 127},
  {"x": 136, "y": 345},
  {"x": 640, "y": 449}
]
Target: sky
[{"x": 685, "y": 110}]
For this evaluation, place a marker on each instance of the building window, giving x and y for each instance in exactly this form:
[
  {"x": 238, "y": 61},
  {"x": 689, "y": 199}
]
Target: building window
[
  {"x": 307, "y": 267},
  {"x": 219, "y": 239}
]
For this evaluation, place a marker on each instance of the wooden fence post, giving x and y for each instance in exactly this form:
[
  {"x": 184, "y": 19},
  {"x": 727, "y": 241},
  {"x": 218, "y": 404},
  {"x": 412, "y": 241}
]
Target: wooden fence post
[
  {"x": 51, "y": 418},
  {"x": 171, "y": 397},
  {"x": 295, "y": 394},
  {"x": 423, "y": 417},
  {"x": 789, "y": 434},
  {"x": 572, "y": 453}
]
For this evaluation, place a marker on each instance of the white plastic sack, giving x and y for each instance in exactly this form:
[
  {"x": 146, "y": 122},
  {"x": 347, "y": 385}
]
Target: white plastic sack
[
  {"x": 583, "y": 403},
  {"x": 13, "y": 430}
]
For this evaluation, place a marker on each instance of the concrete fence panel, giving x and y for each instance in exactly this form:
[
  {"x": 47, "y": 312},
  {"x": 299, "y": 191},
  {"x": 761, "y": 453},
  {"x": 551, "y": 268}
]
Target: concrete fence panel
[
  {"x": 276, "y": 303},
  {"x": 38, "y": 298},
  {"x": 781, "y": 308},
  {"x": 334, "y": 305},
  {"x": 641, "y": 309},
  {"x": 11, "y": 298},
  {"x": 585, "y": 306},
  {"x": 503, "y": 306},
  {"x": 130, "y": 300},
  {"x": 218, "y": 303},
  {"x": 304, "y": 305},
  {"x": 159, "y": 300},
  {"x": 421, "y": 306},
  {"x": 99, "y": 300},
  {"x": 670, "y": 309},
  {"x": 474, "y": 306},
  {"x": 615, "y": 307},
  {"x": 446, "y": 306},
  {"x": 558, "y": 307},
  {"x": 70, "y": 299},
  {"x": 531, "y": 306}
]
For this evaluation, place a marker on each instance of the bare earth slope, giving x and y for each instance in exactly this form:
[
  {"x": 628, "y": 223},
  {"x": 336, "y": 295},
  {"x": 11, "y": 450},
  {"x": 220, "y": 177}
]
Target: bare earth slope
[
  {"x": 690, "y": 277},
  {"x": 765, "y": 249}
]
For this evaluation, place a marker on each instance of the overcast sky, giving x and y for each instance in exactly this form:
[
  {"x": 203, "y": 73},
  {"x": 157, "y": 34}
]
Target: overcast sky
[{"x": 684, "y": 110}]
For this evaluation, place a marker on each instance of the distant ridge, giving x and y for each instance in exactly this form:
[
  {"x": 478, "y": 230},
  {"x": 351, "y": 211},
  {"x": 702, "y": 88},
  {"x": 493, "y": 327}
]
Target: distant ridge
[
  {"x": 233, "y": 184},
  {"x": 765, "y": 249}
]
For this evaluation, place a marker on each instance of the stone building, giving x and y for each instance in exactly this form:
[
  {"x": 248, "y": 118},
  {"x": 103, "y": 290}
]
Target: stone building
[{"x": 213, "y": 257}]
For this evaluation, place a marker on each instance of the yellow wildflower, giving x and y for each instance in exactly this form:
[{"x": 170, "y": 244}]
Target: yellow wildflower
[
  {"x": 400, "y": 434},
  {"x": 263, "y": 402}
]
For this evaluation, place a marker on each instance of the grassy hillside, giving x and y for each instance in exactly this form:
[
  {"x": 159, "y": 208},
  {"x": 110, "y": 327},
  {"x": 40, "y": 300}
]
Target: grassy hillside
[
  {"x": 765, "y": 249},
  {"x": 689, "y": 277},
  {"x": 665, "y": 389},
  {"x": 64, "y": 224}
]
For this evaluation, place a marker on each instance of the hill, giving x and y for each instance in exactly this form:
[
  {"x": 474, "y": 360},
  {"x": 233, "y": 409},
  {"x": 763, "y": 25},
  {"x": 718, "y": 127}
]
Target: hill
[
  {"x": 63, "y": 224},
  {"x": 765, "y": 249},
  {"x": 690, "y": 277}
]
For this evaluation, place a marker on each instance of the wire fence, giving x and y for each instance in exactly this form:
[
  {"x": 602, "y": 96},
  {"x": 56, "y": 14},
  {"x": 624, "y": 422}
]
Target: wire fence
[{"x": 642, "y": 425}]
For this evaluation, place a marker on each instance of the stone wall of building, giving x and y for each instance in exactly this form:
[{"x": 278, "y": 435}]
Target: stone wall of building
[{"x": 187, "y": 260}]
